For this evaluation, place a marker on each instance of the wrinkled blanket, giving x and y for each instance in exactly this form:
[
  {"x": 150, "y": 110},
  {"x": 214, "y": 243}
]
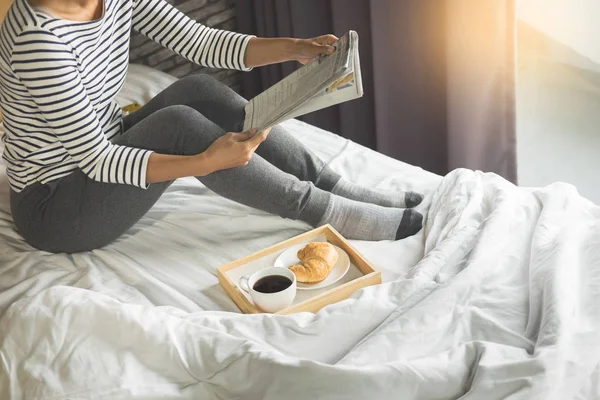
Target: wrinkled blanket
[{"x": 504, "y": 304}]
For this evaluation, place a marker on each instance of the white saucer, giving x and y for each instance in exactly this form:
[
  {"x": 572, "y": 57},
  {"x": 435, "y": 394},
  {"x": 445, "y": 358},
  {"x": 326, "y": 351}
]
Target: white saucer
[{"x": 290, "y": 257}]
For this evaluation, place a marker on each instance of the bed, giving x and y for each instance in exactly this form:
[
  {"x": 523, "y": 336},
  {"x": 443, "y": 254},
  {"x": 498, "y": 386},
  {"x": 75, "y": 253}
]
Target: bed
[{"x": 494, "y": 298}]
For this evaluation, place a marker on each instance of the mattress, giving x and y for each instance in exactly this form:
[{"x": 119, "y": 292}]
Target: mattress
[{"x": 495, "y": 298}]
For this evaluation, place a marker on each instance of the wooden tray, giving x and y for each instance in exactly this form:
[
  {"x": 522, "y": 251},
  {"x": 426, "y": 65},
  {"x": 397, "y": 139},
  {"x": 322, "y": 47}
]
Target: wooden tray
[{"x": 360, "y": 274}]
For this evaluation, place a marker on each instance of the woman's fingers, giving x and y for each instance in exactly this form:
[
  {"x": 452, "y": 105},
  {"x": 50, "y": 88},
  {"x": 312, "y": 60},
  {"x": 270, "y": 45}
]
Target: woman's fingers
[
  {"x": 258, "y": 138},
  {"x": 308, "y": 49},
  {"x": 317, "y": 46},
  {"x": 253, "y": 147},
  {"x": 243, "y": 136},
  {"x": 245, "y": 144},
  {"x": 327, "y": 39},
  {"x": 324, "y": 49},
  {"x": 251, "y": 138},
  {"x": 265, "y": 134},
  {"x": 326, "y": 43}
]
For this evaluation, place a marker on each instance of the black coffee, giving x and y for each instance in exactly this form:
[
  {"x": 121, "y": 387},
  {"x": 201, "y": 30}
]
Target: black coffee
[{"x": 272, "y": 284}]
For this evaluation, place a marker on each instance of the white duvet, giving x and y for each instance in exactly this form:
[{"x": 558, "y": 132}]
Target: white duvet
[{"x": 502, "y": 304}]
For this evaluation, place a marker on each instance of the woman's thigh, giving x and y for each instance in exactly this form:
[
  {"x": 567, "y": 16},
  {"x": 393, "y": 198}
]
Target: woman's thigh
[{"x": 76, "y": 213}]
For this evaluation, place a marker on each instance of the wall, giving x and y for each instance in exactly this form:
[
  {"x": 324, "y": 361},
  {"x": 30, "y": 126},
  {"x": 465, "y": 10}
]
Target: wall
[
  {"x": 558, "y": 94},
  {"x": 575, "y": 23}
]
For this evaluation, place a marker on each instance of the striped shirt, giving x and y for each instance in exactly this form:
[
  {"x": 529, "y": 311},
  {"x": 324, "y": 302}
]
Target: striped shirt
[{"x": 59, "y": 78}]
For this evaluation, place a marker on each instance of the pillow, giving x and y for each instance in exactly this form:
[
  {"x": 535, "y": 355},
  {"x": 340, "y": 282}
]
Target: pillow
[{"x": 142, "y": 84}]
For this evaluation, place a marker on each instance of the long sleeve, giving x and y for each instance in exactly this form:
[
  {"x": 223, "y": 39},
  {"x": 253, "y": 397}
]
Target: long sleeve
[
  {"x": 48, "y": 69},
  {"x": 169, "y": 27}
]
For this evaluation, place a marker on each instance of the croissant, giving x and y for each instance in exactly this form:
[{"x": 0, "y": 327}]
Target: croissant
[{"x": 318, "y": 258}]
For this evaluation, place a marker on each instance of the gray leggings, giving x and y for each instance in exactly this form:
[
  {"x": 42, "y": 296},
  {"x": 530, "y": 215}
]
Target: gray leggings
[{"x": 76, "y": 213}]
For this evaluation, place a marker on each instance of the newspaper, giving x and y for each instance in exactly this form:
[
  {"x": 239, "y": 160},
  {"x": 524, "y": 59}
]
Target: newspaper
[{"x": 323, "y": 82}]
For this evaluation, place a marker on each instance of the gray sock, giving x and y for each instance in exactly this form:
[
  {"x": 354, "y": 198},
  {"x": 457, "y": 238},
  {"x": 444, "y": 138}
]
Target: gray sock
[
  {"x": 365, "y": 221},
  {"x": 352, "y": 191}
]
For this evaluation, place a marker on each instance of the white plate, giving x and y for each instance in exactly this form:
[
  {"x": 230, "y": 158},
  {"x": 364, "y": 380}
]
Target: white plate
[{"x": 290, "y": 257}]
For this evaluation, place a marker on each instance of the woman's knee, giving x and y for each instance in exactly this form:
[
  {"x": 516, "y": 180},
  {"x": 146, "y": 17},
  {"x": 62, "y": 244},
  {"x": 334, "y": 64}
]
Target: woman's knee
[
  {"x": 204, "y": 87},
  {"x": 212, "y": 98},
  {"x": 179, "y": 114},
  {"x": 201, "y": 83},
  {"x": 200, "y": 80}
]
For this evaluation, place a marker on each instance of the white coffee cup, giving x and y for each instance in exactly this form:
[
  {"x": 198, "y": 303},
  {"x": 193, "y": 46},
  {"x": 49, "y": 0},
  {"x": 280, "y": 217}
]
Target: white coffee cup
[{"x": 270, "y": 302}]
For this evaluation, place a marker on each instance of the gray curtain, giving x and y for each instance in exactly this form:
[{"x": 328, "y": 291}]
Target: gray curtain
[{"x": 439, "y": 75}]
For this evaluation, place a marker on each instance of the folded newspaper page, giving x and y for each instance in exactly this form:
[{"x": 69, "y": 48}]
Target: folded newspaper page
[{"x": 323, "y": 82}]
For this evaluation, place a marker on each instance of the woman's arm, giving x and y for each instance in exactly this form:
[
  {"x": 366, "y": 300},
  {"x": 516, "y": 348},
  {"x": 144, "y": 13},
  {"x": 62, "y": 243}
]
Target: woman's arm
[
  {"x": 169, "y": 27},
  {"x": 166, "y": 167},
  {"x": 263, "y": 51},
  {"x": 215, "y": 48},
  {"x": 48, "y": 69}
]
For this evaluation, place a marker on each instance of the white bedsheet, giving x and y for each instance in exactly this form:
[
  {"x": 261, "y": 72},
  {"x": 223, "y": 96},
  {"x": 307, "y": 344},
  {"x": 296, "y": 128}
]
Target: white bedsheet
[{"x": 503, "y": 303}]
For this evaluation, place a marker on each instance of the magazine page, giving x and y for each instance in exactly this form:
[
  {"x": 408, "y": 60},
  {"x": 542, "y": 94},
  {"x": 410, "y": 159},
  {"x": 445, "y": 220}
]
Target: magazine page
[
  {"x": 340, "y": 91},
  {"x": 291, "y": 92},
  {"x": 347, "y": 88}
]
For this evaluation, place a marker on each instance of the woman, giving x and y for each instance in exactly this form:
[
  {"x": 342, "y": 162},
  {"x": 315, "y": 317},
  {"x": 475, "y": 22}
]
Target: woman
[{"x": 81, "y": 174}]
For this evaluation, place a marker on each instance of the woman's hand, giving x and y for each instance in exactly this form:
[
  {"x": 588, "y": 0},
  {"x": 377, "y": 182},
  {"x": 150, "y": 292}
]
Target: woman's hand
[
  {"x": 307, "y": 49},
  {"x": 231, "y": 150},
  {"x": 228, "y": 151}
]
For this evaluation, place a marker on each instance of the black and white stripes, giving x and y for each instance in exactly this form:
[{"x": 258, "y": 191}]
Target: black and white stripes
[{"x": 58, "y": 80}]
